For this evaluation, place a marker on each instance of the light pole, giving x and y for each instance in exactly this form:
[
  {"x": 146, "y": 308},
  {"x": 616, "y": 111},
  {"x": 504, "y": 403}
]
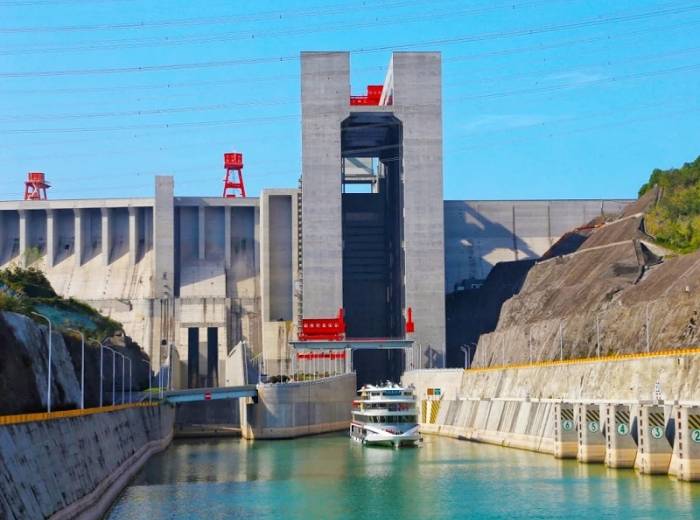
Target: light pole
[
  {"x": 114, "y": 377},
  {"x": 170, "y": 366},
  {"x": 597, "y": 334},
  {"x": 561, "y": 340},
  {"x": 647, "y": 331},
  {"x": 529, "y": 343},
  {"x": 150, "y": 394},
  {"x": 48, "y": 386},
  {"x": 82, "y": 368},
  {"x": 160, "y": 368},
  {"x": 466, "y": 356},
  {"x": 102, "y": 347},
  {"x": 130, "y": 382},
  {"x": 122, "y": 379}
]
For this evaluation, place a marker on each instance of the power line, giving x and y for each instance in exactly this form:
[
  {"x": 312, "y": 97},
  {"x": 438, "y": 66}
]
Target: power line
[
  {"x": 212, "y": 20},
  {"x": 287, "y": 101},
  {"x": 619, "y": 123},
  {"x": 19, "y": 3},
  {"x": 132, "y": 43},
  {"x": 662, "y": 115},
  {"x": 535, "y": 90},
  {"x": 278, "y": 77},
  {"x": 443, "y": 41},
  {"x": 582, "y": 83}
]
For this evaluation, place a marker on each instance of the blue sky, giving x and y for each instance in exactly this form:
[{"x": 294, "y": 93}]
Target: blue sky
[{"x": 542, "y": 98}]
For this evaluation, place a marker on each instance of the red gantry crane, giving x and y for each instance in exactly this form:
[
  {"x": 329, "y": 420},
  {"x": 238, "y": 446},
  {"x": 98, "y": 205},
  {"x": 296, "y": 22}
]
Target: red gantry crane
[
  {"x": 35, "y": 186},
  {"x": 233, "y": 162}
]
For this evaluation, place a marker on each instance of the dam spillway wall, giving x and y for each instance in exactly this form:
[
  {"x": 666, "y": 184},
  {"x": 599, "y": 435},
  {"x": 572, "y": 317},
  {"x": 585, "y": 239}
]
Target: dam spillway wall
[
  {"x": 74, "y": 467},
  {"x": 203, "y": 273}
]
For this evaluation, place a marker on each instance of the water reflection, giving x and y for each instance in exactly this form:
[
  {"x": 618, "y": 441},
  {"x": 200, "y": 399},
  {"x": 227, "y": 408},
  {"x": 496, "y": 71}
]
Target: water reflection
[{"x": 332, "y": 477}]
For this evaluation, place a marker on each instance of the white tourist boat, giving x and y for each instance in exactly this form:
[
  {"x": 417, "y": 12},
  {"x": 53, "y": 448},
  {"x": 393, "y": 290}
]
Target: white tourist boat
[{"x": 385, "y": 415}]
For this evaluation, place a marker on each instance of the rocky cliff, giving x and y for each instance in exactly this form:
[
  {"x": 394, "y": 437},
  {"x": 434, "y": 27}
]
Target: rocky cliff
[
  {"x": 24, "y": 366},
  {"x": 616, "y": 291}
]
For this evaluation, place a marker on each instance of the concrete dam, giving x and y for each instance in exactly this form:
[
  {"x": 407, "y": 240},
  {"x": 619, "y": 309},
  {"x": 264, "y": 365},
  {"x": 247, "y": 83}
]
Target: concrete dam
[
  {"x": 262, "y": 315},
  {"x": 204, "y": 273}
]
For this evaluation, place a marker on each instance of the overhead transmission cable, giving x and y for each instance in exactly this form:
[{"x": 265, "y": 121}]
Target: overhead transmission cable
[
  {"x": 278, "y": 77},
  {"x": 132, "y": 43},
  {"x": 324, "y": 10},
  {"x": 287, "y": 101},
  {"x": 268, "y": 119},
  {"x": 443, "y": 41}
]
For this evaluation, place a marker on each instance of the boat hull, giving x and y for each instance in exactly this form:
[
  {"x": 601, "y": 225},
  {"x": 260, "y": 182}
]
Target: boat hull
[{"x": 384, "y": 438}]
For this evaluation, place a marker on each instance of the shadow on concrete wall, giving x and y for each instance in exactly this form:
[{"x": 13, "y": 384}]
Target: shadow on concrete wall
[
  {"x": 473, "y": 312},
  {"x": 486, "y": 237}
]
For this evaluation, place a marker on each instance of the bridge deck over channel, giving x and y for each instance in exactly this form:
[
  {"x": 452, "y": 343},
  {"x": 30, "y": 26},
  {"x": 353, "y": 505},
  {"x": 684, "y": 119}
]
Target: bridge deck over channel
[{"x": 210, "y": 394}]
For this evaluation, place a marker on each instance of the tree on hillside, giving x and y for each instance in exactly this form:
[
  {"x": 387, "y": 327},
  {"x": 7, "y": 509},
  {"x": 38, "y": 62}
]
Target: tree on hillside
[{"x": 675, "y": 220}]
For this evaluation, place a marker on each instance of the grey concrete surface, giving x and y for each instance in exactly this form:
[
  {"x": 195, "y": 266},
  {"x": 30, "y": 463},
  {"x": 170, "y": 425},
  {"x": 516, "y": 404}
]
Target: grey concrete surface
[
  {"x": 479, "y": 234},
  {"x": 523, "y": 408},
  {"x": 325, "y": 98},
  {"x": 296, "y": 409},
  {"x": 69, "y": 464}
]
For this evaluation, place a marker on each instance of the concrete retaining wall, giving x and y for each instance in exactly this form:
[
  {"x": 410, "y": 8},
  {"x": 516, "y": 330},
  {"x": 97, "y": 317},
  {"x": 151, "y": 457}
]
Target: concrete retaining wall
[
  {"x": 75, "y": 467},
  {"x": 611, "y": 380},
  {"x": 298, "y": 409},
  {"x": 517, "y": 424},
  {"x": 522, "y": 408}
]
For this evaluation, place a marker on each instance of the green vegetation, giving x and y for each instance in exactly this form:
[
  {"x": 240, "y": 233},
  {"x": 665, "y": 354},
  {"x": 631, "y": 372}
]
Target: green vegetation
[
  {"x": 27, "y": 282},
  {"x": 675, "y": 220},
  {"x": 27, "y": 290}
]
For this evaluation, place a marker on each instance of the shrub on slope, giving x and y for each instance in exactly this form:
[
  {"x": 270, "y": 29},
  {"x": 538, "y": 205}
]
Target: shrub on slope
[{"x": 675, "y": 220}]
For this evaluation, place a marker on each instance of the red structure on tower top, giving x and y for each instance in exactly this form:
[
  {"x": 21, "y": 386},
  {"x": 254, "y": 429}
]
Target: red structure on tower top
[
  {"x": 233, "y": 161},
  {"x": 35, "y": 186},
  {"x": 374, "y": 95}
]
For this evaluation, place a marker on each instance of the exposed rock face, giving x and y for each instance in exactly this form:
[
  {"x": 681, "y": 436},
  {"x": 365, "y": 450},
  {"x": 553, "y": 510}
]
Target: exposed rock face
[
  {"x": 615, "y": 277},
  {"x": 24, "y": 367}
]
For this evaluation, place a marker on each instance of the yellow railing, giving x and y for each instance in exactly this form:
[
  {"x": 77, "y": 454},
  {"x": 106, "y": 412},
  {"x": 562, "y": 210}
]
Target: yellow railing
[
  {"x": 689, "y": 351},
  {"x": 65, "y": 414}
]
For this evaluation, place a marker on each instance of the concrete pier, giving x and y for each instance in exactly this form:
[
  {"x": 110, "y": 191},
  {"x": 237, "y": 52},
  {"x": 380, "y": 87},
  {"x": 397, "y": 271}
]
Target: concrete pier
[
  {"x": 591, "y": 442},
  {"x": 687, "y": 442},
  {"x": 565, "y": 435},
  {"x": 289, "y": 410},
  {"x": 654, "y": 456},
  {"x": 621, "y": 449}
]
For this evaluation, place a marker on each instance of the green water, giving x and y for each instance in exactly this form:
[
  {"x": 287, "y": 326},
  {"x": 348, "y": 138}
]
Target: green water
[{"x": 331, "y": 477}]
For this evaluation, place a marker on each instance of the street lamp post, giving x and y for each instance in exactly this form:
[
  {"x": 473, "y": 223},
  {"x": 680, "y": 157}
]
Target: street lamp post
[
  {"x": 48, "y": 386},
  {"x": 503, "y": 350},
  {"x": 82, "y": 368},
  {"x": 102, "y": 347},
  {"x": 561, "y": 340},
  {"x": 101, "y": 372},
  {"x": 466, "y": 356},
  {"x": 170, "y": 366},
  {"x": 150, "y": 394},
  {"x": 647, "y": 331},
  {"x": 122, "y": 379},
  {"x": 114, "y": 377},
  {"x": 597, "y": 334},
  {"x": 130, "y": 382}
]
